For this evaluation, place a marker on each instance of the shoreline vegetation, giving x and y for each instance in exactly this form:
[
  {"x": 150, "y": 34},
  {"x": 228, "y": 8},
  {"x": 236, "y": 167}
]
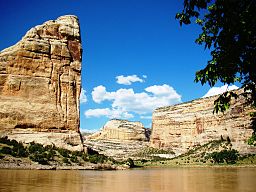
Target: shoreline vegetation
[
  {"x": 16, "y": 155},
  {"x": 217, "y": 153}
]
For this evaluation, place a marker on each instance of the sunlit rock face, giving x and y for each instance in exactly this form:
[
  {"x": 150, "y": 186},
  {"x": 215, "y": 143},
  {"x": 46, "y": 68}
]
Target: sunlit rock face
[
  {"x": 40, "y": 79},
  {"x": 119, "y": 139},
  {"x": 122, "y": 130},
  {"x": 184, "y": 126}
]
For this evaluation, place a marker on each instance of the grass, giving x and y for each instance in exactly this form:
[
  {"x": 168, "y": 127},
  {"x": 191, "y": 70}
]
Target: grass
[{"x": 217, "y": 152}]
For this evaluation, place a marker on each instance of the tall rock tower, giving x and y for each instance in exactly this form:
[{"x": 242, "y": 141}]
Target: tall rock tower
[{"x": 40, "y": 84}]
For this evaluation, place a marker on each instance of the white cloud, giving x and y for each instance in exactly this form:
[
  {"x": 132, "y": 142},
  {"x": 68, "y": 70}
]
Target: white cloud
[
  {"x": 128, "y": 80},
  {"x": 110, "y": 113},
  {"x": 219, "y": 90},
  {"x": 126, "y": 100},
  {"x": 83, "y": 97}
]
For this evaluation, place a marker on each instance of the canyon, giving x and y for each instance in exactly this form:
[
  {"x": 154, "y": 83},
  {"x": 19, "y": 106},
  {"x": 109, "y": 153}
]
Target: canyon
[
  {"x": 40, "y": 84},
  {"x": 187, "y": 125}
]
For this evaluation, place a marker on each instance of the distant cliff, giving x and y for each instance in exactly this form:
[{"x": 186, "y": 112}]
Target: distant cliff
[
  {"x": 40, "y": 83},
  {"x": 184, "y": 126},
  {"x": 119, "y": 138},
  {"x": 121, "y": 130}
]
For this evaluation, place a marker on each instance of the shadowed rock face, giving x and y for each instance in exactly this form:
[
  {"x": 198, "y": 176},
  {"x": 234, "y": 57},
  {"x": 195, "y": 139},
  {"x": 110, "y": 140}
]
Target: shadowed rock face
[
  {"x": 40, "y": 78},
  {"x": 183, "y": 126},
  {"x": 40, "y": 81}
]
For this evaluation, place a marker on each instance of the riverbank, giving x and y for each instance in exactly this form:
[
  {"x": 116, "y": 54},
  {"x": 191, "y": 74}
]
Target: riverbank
[{"x": 22, "y": 166}]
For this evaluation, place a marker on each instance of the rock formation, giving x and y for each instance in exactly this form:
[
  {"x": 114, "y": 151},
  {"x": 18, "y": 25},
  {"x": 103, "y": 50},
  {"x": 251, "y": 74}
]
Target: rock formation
[
  {"x": 122, "y": 130},
  {"x": 119, "y": 139},
  {"x": 40, "y": 83},
  {"x": 183, "y": 126}
]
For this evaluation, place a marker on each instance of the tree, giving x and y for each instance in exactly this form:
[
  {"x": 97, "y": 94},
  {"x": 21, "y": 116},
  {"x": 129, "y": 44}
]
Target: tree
[{"x": 229, "y": 32}]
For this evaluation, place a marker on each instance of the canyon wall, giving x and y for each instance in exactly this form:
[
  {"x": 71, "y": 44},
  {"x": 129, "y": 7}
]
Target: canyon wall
[
  {"x": 184, "y": 126},
  {"x": 119, "y": 139},
  {"x": 40, "y": 83},
  {"x": 122, "y": 130}
]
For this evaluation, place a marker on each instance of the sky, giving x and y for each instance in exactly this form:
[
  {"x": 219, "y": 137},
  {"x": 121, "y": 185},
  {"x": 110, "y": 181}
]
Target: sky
[{"x": 136, "y": 56}]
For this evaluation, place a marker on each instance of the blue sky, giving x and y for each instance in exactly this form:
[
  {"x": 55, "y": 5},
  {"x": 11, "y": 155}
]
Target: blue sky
[{"x": 136, "y": 57}]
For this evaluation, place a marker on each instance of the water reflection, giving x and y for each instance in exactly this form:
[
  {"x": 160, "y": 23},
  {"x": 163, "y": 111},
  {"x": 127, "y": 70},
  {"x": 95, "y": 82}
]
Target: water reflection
[{"x": 148, "y": 180}]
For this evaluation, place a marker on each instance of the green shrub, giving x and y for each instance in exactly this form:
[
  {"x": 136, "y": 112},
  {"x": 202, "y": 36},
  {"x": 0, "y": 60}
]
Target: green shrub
[
  {"x": 6, "y": 150},
  {"x": 97, "y": 158},
  {"x": 5, "y": 140},
  {"x": 228, "y": 156},
  {"x": 74, "y": 159},
  {"x": 40, "y": 158},
  {"x": 19, "y": 150},
  {"x": 64, "y": 152},
  {"x": 65, "y": 160},
  {"x": 35, "y": 148}
]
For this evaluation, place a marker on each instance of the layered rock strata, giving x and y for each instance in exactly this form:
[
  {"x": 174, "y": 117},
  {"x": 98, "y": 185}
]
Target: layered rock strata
[
  {"x": 184, "y": 126},
  {"x": 40, "y": 81},
  {"x": 119, "y": 139},
  {"x": 122, "y": 130}
]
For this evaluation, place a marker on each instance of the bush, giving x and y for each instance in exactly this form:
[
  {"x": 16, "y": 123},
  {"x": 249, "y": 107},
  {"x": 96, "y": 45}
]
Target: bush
[
  {"x": 6, "y": 150},
  {"x": 229, "y": 156},
  {"x": 130, "y": 163},
  {"x": 74, "y": 159},
  {"x": 5, "y": 140},
  {"x": 19, "y": 150},
  {"x": 97, "y": 158},
  {"x": 35, "y": 148},
  {"x": 65, "y": 160},
  {"x": 40, "y": 158},
  {"x": 64, "y": 152}
]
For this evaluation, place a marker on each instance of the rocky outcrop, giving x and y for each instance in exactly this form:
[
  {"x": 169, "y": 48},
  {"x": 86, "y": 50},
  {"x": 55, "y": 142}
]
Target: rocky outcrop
[
  {"x": 184, "y": 126},
  {"x": 119, "y": 139},
  {"x": 40, "y": 80},
  {"x": 122, "y": 130},
  {"x": 119, "y": 150}
]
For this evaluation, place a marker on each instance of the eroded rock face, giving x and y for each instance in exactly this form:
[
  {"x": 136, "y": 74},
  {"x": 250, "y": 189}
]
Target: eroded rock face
[
  {"x": 40, "y": 79},
  {"x": 183, "y": 126},
  {"x": 122, "y": 130},
  {"x": 119, "y": 139}
]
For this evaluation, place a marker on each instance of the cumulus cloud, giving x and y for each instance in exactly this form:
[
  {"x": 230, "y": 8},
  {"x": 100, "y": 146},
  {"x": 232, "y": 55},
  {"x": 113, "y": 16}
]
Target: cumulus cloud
[
  {"x": 128, "y": 80},
  {"x": 83, "y": 97},
  {"x": 110, "y": 113},
  {"x": 141, "y": 103},
  {"x": 219, "y": 90}
]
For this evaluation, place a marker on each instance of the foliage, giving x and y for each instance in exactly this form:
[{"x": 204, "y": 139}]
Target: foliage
[
  {"x": 228, "y": 156},
  {"x": 45, "y": 154},
  {"x": 229, "y": 32},
  {"x": 97, "y": 158},
  {"x": 6, "y": 150},
  {"x": 64, "y": 152},
  {"x": 130, "y": 163},
  {"x": 41, "y": 158},
  {"x": 35, "y": 148},
  {"x": 251, "y": 140}
]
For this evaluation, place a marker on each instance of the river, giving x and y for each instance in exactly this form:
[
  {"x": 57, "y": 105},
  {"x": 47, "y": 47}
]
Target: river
[{"x": 136, "y": 180}]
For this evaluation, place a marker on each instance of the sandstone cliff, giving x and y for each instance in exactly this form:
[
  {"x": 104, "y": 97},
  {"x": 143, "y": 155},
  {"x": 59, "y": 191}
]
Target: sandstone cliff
[
  {"x": 183, "y": 126},
  {"x": 40, "y": 82},
  {"x": 119, "y": 139},
  {"x": 122, "y": 130}
]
